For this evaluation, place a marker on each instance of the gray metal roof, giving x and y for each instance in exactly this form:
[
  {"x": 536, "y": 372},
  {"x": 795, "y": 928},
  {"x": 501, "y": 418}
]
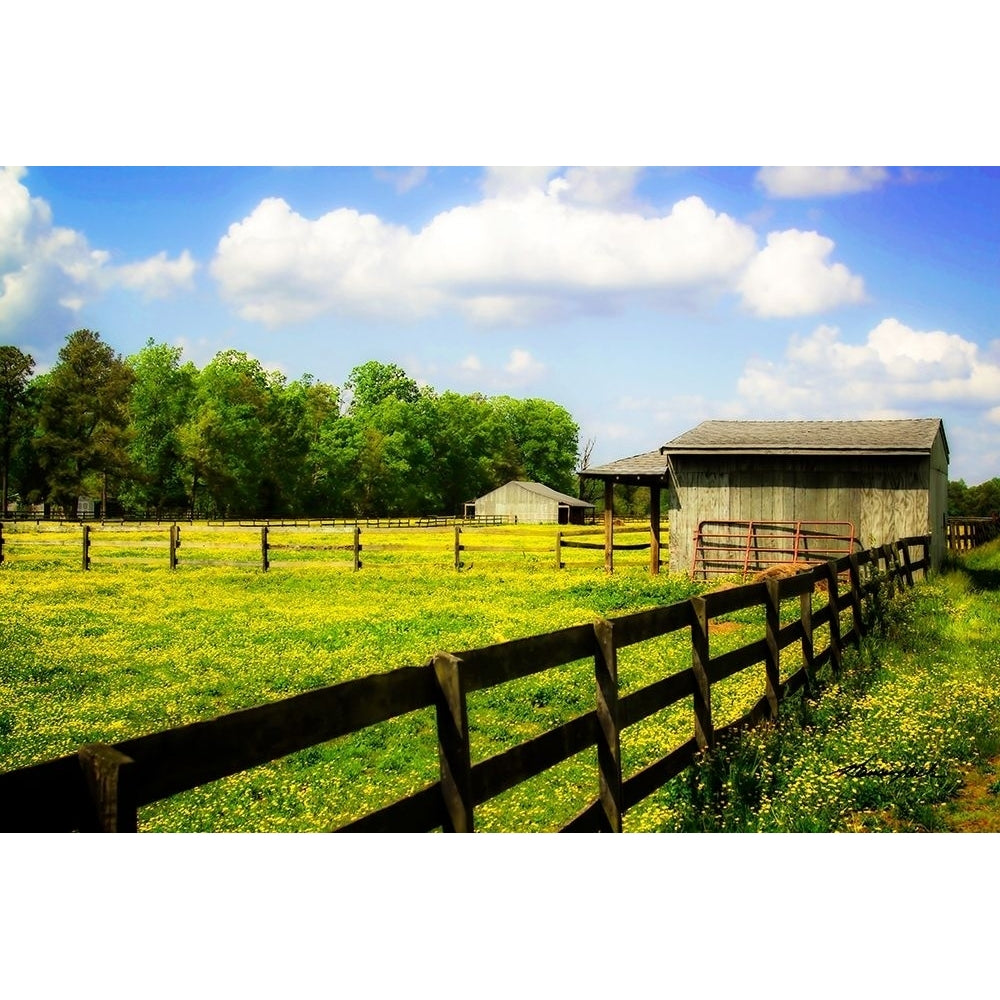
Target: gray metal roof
[
  {"x": 808, "y": 437},
  {"x": 545, "y": 491},
  {"x": 649, "y": 464}
]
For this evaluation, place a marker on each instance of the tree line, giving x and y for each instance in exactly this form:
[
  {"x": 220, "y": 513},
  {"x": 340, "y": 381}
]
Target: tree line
[
  {"x": 148, "y": 434},
  {"x": 974, "y": 501}
]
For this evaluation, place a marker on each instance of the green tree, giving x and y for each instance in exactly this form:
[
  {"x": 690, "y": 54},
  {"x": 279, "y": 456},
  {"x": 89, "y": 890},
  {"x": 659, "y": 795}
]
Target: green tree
[
  {"x": 374, "y": 381},
  {"x": 161, "y": 402},
  {"x": 16, "y": 369},
  {"x": 225, "y": 438},
  {"x": 538, "y": 441},
  {"x": 83, "y": 432}
]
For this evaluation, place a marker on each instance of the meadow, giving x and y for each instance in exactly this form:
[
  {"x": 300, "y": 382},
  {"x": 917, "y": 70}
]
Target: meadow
[{"x": 131, "y": 647}]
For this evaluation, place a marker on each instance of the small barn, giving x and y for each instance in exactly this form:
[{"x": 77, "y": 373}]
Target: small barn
[
  {"x": 744, "y": 494},
  {"x": 530, "y": 503}
]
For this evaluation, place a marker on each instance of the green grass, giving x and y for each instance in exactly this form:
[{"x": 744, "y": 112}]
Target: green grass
[
  {"x": 131, "y": 647},
  {"x": 886, "y": 744}
]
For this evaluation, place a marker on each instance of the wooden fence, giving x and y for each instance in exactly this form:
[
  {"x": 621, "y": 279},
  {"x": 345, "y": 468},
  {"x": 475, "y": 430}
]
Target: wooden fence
[
  {"x": 101, "y": 787},
  {"x": 266, "y": 545},
  {"x": 967, "y": 532}
]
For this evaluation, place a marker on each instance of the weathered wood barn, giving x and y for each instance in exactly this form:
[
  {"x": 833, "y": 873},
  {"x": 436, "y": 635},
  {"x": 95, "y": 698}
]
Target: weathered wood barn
[
  {"x": 742, "y": 495},
  {"x": 530, "y": 503}
]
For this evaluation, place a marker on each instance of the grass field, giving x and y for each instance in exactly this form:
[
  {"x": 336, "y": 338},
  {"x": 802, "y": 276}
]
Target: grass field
[{"x": 131, "y": 647}]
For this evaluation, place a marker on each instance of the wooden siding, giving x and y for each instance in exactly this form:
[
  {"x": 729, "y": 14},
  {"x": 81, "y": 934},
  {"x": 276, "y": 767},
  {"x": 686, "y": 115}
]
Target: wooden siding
[
  {"x": 515, "y": 501},
  {"x": 885, "y": 498}
]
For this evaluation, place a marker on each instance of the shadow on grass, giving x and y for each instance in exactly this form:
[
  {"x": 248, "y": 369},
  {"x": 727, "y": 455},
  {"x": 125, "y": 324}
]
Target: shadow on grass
[{"x": 983, "y": 579}]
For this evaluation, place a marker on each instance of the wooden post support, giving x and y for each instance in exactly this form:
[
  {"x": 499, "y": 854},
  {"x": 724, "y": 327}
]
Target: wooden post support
[
  {"x": 772, "y": 664},
  {"x": 609, "y": 526},
  {"x": 609, "y": 753},
  {"x": 109, "y": 775},
  {"x": 454, "y": 754},
  {"x": 175, "y": 544},
  {"x": 927, "y": 557},
  {"x": 907, "y": 564},
  {"x": 264, "y": 561},
  {"x": 356, "y": 560},
  {"x": 654, "y": 529},
  {"x": 458, "y": 548},
  {"x": 833, "y": 602},
  {"x": 1, "y": 541},
  {"x": 703, "y": 731},
  {"x": 890, "y": 570},
  {"x": 808, "y": 651},
  {"x": 857, "y": 612},
  {"x": 559, "y": 563},
  {"x": 86, "y": 546}
]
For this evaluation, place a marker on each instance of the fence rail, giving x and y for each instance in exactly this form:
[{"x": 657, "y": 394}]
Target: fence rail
[
  {"x": 101, "y": 787},
  {"x": 968, "y": 532}
]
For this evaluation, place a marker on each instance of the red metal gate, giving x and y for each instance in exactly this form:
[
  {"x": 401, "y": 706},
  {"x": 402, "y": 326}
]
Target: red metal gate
[{"x": 738, "y": 548}]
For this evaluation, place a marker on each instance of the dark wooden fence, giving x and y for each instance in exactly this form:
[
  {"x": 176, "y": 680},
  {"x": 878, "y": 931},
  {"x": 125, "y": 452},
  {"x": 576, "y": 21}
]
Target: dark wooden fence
[
  {"x": 967, "y": 532},
  {"x": 101, "y": 787}
]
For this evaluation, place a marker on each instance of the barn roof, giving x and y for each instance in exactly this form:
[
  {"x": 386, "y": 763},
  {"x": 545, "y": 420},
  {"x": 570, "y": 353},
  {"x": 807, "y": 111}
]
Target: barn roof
[
  {"x": 648, "y": 465},
  {"x": 545, "y": 491},
  {"x": 808, "y": 437},
  {"x": 778, "y": 437}
]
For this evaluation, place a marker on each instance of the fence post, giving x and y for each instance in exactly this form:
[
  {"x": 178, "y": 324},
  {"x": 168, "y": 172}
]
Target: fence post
[
  {"x": 264, "y": 561},
  {"x": 356, "y": 558},
  {"x": 890, "y": 570},
  {"x": 454, "y": 754},
  {"x": 609, "y": 753},
  {"x": 175, "y": 544},
  {"x": 86, "y": 546},
  {"x": 609, "y": 526},
  {"x": 1, "y": 541},
  {"x": 109, "y": 775},
  {"x": 857, "y": 612},
  {"x": 654, "y": 529},
  {"x": 559, "y": 563},
  {"x": 772, "y": 665},
  {"x": 703, "y": 731},
  {"x": 808, "y": 652},
  {"x": 907, "y": 565},
  {"x": 927, "y": 556},
  {"x": 833, "y": 603},
  {"x": 459, "y": 547}
]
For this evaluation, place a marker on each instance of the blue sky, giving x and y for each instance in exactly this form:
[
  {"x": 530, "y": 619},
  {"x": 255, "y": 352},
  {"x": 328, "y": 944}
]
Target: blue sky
[{"x": 642, "y": 299}]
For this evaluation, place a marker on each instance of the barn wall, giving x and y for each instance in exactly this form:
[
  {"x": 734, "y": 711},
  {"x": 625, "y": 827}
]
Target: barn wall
[
  {"x": 885, "y": 498},
  {"x": 938, "y": 511},
  {"x": 513, "y": 501}
]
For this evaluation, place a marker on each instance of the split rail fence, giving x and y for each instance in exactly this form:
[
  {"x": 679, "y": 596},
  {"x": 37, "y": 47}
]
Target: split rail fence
[
  {"x": 261, "y": 544},
  {"x": 101, "y": 787},
  {"x": 966, "y": 533}
]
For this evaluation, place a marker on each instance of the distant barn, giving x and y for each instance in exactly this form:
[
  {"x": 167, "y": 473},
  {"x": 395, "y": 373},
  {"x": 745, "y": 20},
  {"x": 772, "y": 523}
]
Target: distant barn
[
  {"x": 530, "y": 503},
  {"x": 745, "y": 494}
]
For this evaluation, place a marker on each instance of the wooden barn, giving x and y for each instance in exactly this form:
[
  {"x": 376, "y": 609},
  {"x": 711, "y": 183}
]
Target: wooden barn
[
  {"x": 742, "y": 495},
  {"x": 530, "y": 503}
]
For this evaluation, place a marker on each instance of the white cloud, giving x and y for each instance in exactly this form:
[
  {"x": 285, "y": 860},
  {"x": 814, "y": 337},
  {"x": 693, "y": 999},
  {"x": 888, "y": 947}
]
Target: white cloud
[
  {"x": 810, "y": 182},
  {"x": 403, "y": 179},
  {"x": 471, "y": 364},
  {"x": 541, "y": 245},
  {"x": 522, "y": 365},
  {"x": 533, "y": 249},
  {"x": 897, "y": 371},
  {"x": 157, "y": 277},
  {"x": 49, "y": 273},
  {"x": 791, "y": 276}
]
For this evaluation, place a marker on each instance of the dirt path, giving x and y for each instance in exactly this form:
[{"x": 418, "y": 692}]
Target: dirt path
[{"x": 976, "y": 809}]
